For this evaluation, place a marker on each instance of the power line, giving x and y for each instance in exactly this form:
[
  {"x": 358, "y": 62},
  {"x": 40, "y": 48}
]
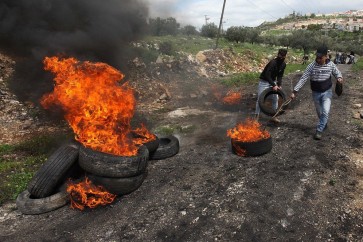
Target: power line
[
  {"x": 288, "y": 5},
  {"x": 262, "y": 9}
]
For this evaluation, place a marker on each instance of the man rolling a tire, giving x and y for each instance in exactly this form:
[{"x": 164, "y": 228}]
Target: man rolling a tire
[
  {"x": 271, "y": 76},
  {"x": 320, "y": 72}
]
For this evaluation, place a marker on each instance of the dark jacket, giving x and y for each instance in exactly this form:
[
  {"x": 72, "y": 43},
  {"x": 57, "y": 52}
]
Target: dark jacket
[{"x": 273, "y": 71}]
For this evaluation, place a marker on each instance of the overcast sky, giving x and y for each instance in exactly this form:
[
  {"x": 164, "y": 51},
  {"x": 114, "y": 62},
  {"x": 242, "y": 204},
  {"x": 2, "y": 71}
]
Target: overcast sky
[{"x": 244, "y": 12}]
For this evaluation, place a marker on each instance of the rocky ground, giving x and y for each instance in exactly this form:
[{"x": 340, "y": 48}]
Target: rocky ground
[{"x": 303, "y": 190}]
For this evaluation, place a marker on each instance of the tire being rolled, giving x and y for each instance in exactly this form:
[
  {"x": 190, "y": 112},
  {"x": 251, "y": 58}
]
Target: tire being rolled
[
  {"x": 256, "y": 148},
  {"x": 265, "y": 108},
  {"x": 119, "y": 186},
  {"x": 28, "y": 205},
  {"x": 108, "y": 165}
]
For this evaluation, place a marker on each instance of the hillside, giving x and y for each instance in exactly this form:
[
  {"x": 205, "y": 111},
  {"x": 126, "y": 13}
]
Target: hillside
[{"x": 347, "y": 21}]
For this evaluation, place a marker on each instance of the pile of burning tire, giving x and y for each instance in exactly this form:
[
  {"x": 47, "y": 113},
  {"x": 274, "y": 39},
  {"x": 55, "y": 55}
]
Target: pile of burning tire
[{"x": 119, "y": 175}]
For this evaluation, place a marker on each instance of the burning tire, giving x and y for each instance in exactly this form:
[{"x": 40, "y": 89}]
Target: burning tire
[
  {"x": 54, "y": 170},
  {"x": 29, "y": 205},
  {"x": 152, "y": 145},
  {"x": 168, "y": 147},
  {"x": 108, "y": 165},
  {"x": 265, "y": 103},
  {"x": 119, "y": 186},
  {"x": 257, "y": 148}
]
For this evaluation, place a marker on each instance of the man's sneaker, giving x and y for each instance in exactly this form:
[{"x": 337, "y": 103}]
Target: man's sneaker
[
  {"x": 317, "y": 135},
  {"x": 275, "y": 120}
]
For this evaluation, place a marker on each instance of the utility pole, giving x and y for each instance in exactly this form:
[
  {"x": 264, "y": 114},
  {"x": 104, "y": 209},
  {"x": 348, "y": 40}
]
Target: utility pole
[
  {"x": 206, "y": 19},
  {"x": 220, "y": 24}
]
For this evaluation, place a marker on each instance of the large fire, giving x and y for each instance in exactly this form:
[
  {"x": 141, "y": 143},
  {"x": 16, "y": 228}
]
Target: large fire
[
  {"x": 250, "y": 131},
  {"x": 86, "y": 194},
  {"x": 97, "y": 107}
]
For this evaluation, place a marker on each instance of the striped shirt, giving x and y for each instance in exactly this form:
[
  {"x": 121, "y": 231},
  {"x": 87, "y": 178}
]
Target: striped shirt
[{"x": 320, "y": 76}]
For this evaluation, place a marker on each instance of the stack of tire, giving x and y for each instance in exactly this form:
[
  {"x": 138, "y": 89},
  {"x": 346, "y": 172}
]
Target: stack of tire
[
  {"x": 119, "y": 175},
  {"x": 122, "y": 175}
]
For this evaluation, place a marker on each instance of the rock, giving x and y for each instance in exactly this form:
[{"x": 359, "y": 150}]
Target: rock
[
  {"x": 163, "y": 97},
  {"x": 357, "y": 105},
  {"x": 193, "y": 95},
  {"x": 159, "y": 60},
  {"x": 204, "y": 92},
  {"x": 202, "y": 72},
  {"x": 200, "y": 57},
  {"x": 357, "y": 115}
]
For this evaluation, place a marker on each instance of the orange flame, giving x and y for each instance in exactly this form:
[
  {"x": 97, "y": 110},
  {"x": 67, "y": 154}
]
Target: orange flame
[
  {"x": 232, "y": 98},
  {"x": 143, "y": 135},
  {"x": 96, "y": 106},
  {"x": 239, "y": 150},
  {"x": 250, "y": 131},
  {"x": 86, "y": 194}
]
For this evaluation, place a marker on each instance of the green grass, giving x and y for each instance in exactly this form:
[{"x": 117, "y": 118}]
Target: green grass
[
  {"x": 291, "y": 68},
  {"x": 19, "y": 162},
  {"x": 358, "y": 66},
  {"x": 241, "y": 79},
  {"x": 173, "y": 129},
  {"x": 189, "y": 44}
]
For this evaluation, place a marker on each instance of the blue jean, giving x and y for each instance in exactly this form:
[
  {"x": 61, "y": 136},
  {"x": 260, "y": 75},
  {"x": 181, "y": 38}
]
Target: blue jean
[
  {"x": 322, "y": 101},
  {"x": 262, "y": 86}
]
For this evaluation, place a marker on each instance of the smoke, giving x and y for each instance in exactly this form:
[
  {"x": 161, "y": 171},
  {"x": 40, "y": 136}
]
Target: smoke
[{"x": 86, "y": 29}]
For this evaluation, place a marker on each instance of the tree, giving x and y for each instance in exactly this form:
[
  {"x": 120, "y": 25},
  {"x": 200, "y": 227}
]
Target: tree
[
  {"x": 209, "y": 30},
  {"x": 159, "y": 26},
  {"x": 253, "y": 35},
  {"x": 189, "y": 30},
  {"x": 304, "y": 40},
  {"x": 285, "y": 40},
  {"x": 236, "y": 34},
  {"x": 315, "y": 27}
]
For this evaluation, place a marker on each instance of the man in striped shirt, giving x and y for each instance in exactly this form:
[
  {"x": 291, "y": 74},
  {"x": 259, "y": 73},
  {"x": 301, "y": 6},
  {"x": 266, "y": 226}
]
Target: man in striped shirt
[{"x": 320, "y": 72}]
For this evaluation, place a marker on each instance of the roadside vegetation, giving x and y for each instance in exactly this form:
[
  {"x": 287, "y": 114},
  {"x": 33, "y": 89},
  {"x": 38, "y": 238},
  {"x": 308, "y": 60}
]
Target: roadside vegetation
[
  {"x": 19, "y": 162},
  {"x": 358, "y": 66}
]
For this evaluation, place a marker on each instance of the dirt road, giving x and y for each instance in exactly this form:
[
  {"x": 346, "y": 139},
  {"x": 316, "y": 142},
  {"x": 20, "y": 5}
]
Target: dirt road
[{"x": 303, "y": 190}]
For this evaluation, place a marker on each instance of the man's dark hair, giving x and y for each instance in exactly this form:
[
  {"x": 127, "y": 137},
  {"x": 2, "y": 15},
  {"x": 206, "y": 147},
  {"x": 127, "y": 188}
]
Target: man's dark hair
[
  {"x": 282, "y": 52},
  {"x": 322, "y": 50}
]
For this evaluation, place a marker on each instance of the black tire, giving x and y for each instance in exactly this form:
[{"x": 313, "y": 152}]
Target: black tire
[
  {"x": 265, "y": 107},
  {"x": 28, "y": 205},
  {"x": 108, "y": 165},
  {"x": 52, "y": 172},
  {"x": 152, "y": 145},
  {"x": 168, "y": 147},
  {"x": 252, "y": 148},
  {"x": 119, "y": 186}
]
